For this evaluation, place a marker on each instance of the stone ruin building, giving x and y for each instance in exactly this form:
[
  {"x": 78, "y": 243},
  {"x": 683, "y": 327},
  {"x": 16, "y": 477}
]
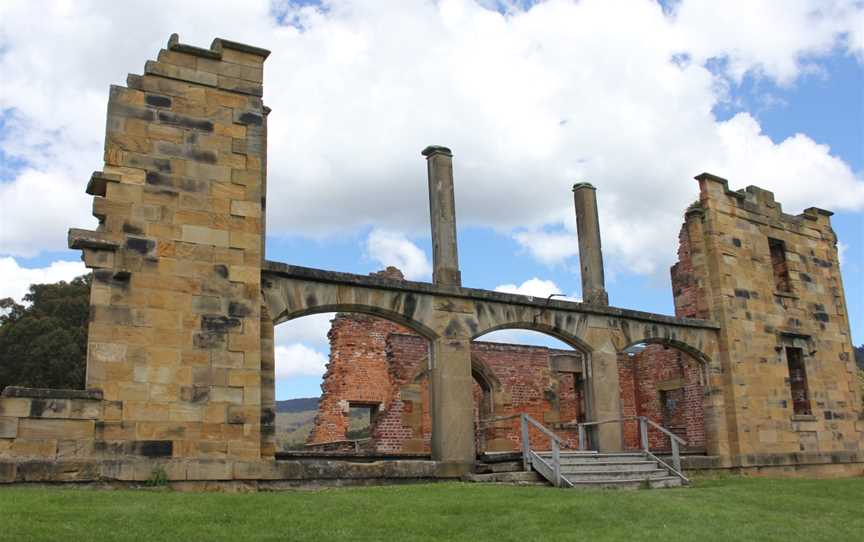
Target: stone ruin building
[
  {"x": 379, "y": 368},
  {"x": 180, "y": 360}
]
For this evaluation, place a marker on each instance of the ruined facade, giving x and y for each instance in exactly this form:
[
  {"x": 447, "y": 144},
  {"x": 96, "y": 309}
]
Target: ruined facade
[
  {"x": 180, "y": 362},
  {"x": 382, "y": 366}
]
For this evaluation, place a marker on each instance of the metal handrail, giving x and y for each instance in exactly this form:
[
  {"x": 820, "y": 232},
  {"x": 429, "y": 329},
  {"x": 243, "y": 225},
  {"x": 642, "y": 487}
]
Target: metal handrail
[
  {"x": 528, "y": 455},
  {"x": 674, "y": 439}
]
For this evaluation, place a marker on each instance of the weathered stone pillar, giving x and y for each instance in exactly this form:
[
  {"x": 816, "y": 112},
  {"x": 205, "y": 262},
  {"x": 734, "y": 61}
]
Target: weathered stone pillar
[
  {"x": 452, "y": 405},
  {"x": 590, "y": 251},
  {"x": 606, "y": 398},
  {"x": 442, "y": 213}
]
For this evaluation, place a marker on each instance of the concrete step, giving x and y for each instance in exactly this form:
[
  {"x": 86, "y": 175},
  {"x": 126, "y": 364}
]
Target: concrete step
[
  {"x": 615, "y": 475},
  {"x": 507, "y": 466},
  {"x": 635, "y": 466},
  {"x": 607, "y": 458},
  {"x": 516, "y": 478},
  {"x": 635, "y": 483}
]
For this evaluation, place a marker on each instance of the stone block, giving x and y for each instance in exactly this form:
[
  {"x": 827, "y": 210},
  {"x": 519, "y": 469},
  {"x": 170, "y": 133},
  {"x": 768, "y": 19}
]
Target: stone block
[
  {"x": 33, "y": 448},
  {"x": 208, "y": 469},
  {"x": 8, "y": 427},
  {"x": 16, "y": 407},
  {"x": 243, "y": 414},
  {"x": 205, "y": 236},
  {"x": 226, "y": 394},
  {"x": 39, "y": 429},
  {"x": 144, "y": 411}
]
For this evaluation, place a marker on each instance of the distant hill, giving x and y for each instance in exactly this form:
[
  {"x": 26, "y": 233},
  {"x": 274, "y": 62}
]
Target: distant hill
[
  {"x": 295, "y": 418},
  {"x": 297, "y": 405}
]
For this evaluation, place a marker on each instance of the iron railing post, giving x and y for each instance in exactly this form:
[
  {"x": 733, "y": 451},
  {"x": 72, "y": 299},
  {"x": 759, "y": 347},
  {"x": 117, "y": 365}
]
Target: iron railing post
[
  {"x": 643, "y": 433},
  {"x": 556, "y": 462},
  {"x": 526, "y": 460},
  {"x": 676, "y": 456}
]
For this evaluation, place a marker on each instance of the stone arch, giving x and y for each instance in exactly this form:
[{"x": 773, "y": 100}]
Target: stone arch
[
  {"x": 567, "y": 338},
  {"x": 693, "y": 352},
  {"x": 371, "y": 310},
  {"x": 669, "y": 385}
]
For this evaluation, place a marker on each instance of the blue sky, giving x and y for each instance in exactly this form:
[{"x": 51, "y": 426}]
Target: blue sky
[{"x": 632, "y": 96}]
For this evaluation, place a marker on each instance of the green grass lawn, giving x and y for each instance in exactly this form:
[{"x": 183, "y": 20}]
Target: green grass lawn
[{"x": 724, "y": 509}]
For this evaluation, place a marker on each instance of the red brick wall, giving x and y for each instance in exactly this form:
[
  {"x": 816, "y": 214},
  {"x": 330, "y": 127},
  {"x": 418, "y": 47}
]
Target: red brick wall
[
  {"x": 641, "y": 375},
  {"x": 357, "y": 373}
]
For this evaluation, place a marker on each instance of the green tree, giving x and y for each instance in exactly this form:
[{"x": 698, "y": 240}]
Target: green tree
[{"x": 43, "y": 343}]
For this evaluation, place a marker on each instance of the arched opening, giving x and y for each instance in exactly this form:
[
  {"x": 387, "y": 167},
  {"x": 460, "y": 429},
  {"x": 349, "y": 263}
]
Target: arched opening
[
  {"x": 539, "y": 372},
  {"x": 339, "y": 383},
  {"x": 667, "y": 384}
]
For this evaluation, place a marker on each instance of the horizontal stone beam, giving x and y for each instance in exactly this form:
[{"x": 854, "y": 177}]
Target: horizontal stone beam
[{"x": 282, "y": 270}]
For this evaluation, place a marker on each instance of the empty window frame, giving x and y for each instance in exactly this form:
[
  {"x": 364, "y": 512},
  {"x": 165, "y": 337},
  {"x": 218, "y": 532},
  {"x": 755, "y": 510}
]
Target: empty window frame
[
  {"x": 360, "y": 417},
  {"x": 798, "y": 381},
  {"x": 779, "y": 265}
]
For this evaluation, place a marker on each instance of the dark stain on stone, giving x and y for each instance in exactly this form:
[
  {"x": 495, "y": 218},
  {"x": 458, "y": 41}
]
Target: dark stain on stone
[
  {"x": 142, "y": 246},
  {"x": 453, "y": 329},
  {"x": 268, "y": 416},
  {"x": 37, "y": 407},
  {"x": 209, "y": 339},
  {"x": 207, "y": 157},
  {"x": 131, "y": 228},
  {"x": 154, "y": 448},
  {"x": 219, "y": 324},
  {"x": 744, "y": 294},
  {"x": 736, "y": 242},
  {"x": 221, "y": 270},
  {"x": 472, "y": 325},
  {"x": 251, "y": 118},
  {"x": 185, "y": 122},
  {"x": 311, "y": 300},
  {"x": 157, "y": 101},
  {"x": 410, "y": 305},
  {"x": 821, "y": 316},
  {"x": 238, "y": 310}
]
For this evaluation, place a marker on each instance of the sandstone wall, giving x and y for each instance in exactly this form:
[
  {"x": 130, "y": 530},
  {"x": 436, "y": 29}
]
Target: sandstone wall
[{"x": 726, "y": 272}]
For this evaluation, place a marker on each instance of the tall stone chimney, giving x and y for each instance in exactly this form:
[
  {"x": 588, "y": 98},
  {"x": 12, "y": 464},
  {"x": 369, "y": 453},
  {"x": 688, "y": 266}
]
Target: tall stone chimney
[
  {"x": 442, "y": 213},
  {"x": 590, "y": 251}
]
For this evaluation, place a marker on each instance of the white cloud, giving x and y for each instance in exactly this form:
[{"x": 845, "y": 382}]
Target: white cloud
[
  {"x": 297, "y": 359},
  {"x": 841, "y": 252},
  {"x": 392, "y": 248},
  {"x": 15, "y": 280},
  {"x": 549, "y": 247},
  {"x": 530, "y": 102},
  {"x": 526, "y": 337},
  {"x": 533, "y": 287},
  {"x": 310, "y": 330},
  {"x": 771, "y": 37}
]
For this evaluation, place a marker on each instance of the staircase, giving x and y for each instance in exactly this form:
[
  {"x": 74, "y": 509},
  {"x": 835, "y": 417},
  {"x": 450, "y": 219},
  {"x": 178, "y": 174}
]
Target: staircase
[
  {"x": 585, "y": 469},
  {"x": 615, "y": 470}
]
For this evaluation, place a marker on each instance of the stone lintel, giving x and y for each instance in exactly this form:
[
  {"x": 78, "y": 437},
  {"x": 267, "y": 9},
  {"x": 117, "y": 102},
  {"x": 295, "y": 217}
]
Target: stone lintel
[
  {"x": 349, "y": 279},
  {"x": 98, "y": 183},
  {"x": 432, "y": 150},
  {"x": 811, "y": 211},
  {"x": 45, "y": 393},
  {"x": 215, "y": 50},
  {"x": 221, "y": 43},
  {"x": 96, "y": 240}
]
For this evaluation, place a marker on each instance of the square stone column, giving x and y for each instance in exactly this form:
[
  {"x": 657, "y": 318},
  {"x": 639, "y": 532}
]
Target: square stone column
[{"x": 452, "y": 405}]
